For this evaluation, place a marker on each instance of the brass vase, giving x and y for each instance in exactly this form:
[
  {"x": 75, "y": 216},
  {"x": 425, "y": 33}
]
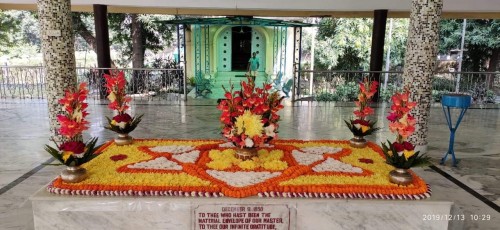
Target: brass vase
[
  {"x": 74, "y": 174},
  {"x": 400, "y": 176},
  {"x": 358, "y": 142},
  {"x": 123, "y": 139},
  {"x": 246, "y": 153}
]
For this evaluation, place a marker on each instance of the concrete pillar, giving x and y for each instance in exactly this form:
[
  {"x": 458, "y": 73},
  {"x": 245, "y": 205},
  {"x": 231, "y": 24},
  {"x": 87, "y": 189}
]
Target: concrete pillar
[
  {"x": 420, "y": 61},
  {"x": 58, "y": 54},
  {"x": 377, "y": 49}
]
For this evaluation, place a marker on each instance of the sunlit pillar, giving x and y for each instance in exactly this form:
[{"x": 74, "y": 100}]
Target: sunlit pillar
[
  {"x": 58, "y": 54},
  {"x": 420, "y": 61}
]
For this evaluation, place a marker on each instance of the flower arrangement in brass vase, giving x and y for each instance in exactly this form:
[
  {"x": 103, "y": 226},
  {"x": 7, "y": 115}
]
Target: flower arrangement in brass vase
[
  {"x": 73, "y": 152},
  {"x": 361, "y": 126},
  {"x": 401, "y": 153},
  {"x": 250, "y": 116},
  {"x": 122, "y": 123}
]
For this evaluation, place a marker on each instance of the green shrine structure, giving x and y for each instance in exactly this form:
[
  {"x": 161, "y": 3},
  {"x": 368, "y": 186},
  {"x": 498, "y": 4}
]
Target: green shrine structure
[{"x": 215, "y": 52}]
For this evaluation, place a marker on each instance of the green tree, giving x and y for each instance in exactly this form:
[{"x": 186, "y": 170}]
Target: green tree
[
  {"x": 133, "y": 34},
  {"x": 482, "y": 42},
  {"x": 344, "y": 43},
  {"x": 8, "y": 27},
  {"x": 398, "y": 40}
]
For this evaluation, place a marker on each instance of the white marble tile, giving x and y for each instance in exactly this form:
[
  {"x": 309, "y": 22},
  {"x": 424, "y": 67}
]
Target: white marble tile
[
  {"x": 60, "y": 212},
  {"x": 24, "y": 130}
]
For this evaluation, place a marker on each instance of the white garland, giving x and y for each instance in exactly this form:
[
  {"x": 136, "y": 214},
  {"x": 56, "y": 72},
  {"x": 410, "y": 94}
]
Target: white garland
[
  {"x": 305, "y": 158},
  {"x": 158, "y": 163},
  {"x": 321, "y": 150},
  {"x": 189, "y": 157},
  {"x": 174, "y": 149},
  {"x": 242, "y": 179},
  {"x": 332, "y": 165}
]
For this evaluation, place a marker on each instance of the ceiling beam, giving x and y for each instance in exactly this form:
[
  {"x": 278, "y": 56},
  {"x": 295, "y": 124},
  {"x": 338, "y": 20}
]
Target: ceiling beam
[{"x": 261, "y": 13}]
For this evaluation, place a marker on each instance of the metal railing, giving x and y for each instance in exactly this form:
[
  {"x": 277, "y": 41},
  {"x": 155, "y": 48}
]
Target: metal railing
[
  {"x": 342, "y": 85},
  {"x": 29, "y": 82}
]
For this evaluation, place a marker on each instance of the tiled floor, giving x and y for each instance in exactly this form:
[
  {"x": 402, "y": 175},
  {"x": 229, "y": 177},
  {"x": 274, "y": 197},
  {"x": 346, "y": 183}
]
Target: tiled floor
[{"x": 24, "y": 131}]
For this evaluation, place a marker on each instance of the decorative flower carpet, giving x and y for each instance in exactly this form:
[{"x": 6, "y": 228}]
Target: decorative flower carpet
[{"x": 208, "y": 168}]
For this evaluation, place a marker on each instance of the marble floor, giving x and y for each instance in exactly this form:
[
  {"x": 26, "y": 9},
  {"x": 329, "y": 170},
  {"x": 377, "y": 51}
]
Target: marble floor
[{"x": 24, "y": 131}]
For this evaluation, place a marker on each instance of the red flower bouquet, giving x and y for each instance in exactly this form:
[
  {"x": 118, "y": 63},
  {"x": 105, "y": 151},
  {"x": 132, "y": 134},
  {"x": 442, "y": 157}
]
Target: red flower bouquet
[
  {"x": 401, "y": 153},
  {"x": 122, "y": 123},
  {"x": 361, "y": 126},
  {"x": 72, "y": 151},
  {"x": 250, "y": 116}
]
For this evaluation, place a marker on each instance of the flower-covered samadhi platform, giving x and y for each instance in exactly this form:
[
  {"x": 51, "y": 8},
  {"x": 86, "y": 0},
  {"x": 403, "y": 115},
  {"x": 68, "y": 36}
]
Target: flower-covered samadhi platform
[{"x": 208, "y": 168}]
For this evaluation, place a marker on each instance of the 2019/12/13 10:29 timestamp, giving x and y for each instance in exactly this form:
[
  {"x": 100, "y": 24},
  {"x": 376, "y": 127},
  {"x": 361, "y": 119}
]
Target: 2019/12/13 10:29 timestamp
[{"x": 459, "y": 217}]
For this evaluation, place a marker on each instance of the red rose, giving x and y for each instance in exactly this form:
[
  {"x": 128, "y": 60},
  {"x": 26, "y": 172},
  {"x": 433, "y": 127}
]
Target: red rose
[
  {"x": 122, "y": 118},
  {"x": 408, "y": 146},
  {"x": 361, "y": 122},
  {"x": 399, "y": 147},
  {"x": 76, "y": 147}
]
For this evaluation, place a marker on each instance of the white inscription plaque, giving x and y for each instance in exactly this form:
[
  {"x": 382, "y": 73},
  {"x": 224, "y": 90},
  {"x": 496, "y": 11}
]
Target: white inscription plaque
[{"x": 244, "y": 216}]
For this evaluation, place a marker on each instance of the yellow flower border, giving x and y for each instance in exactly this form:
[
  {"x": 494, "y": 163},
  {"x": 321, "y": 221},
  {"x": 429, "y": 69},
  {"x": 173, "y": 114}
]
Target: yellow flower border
[{"x": 108, "y": 176}]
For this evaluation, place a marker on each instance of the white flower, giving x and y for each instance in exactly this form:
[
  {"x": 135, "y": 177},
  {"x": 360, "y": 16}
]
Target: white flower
[
  {"x": 270, "y": 131},
  {"x": 321, "y": 150},
  {"x": 306, "y": 158},
  {"x": 175, "y": 149},
  {"x": 400, "y": 153},
  {"x": 121, "y": 124},
  {"x": 79, "y": 155},
  {"x": 332, "y": 165},
  {"x": 358, "y": 126},
  {"x": 248, "y": 142},
  {"x": 189, "y": 157},
  {"x": 158, "y": 163},
  {"x": 226, "y": 145}
]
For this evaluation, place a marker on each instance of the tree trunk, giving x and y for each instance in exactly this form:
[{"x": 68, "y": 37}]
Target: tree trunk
[
  {"x": 82, "y": 30},
  {"x": 493, "y": 66},
  {"x": 137, "y": 53}
]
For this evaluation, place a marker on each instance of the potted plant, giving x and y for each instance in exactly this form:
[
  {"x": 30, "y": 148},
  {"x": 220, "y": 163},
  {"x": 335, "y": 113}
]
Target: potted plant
[
  {"x": 72, "y": 151},
  {"x": 250, "y": 116},
  {"x": 122, "y": 123},
  {"x": 361, "y": 126},
  {"x": 401, "y": 153}
]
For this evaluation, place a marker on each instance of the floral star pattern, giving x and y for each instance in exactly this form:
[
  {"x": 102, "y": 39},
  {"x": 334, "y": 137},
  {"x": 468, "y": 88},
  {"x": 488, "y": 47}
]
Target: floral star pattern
[{"x": 285, "y": 168}]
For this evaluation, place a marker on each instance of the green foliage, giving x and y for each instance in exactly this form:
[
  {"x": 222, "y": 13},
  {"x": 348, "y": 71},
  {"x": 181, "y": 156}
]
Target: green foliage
[
  {"x": 443, "y": 84},
  {"x": 9, "y": 26},
  {"x": 345, "y": 92},
  {"x": 481, "y": 38},
  {"x": 155, "y": 34},
  {"x": 326, "y": 96},
  {"x": 344, "y": 44},
  {"x": 392, "y": 158}
]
